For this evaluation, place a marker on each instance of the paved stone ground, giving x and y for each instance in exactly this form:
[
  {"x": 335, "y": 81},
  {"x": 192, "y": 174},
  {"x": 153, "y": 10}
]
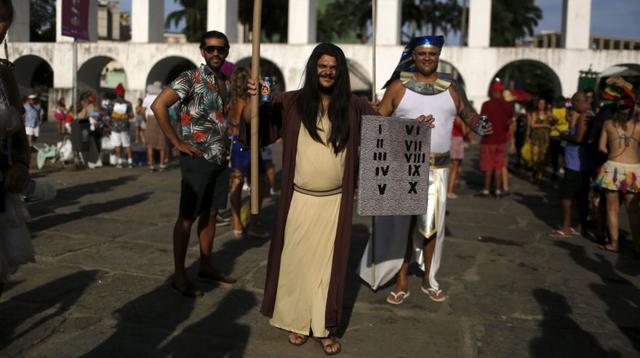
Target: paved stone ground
[{"x": 99, "y": 286}]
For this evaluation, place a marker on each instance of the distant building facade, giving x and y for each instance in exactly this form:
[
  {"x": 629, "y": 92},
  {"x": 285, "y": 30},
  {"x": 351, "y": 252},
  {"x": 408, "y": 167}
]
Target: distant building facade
[{"x": 553, "y": 39}]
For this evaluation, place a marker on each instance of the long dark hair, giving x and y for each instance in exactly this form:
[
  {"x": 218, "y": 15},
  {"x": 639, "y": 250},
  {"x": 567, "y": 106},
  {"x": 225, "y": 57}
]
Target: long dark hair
[{"x": 309, "y": 105}]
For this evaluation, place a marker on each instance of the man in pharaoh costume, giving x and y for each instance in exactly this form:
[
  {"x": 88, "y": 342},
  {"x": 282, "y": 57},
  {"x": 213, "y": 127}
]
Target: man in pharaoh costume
[{"x": 417, "y": 88}]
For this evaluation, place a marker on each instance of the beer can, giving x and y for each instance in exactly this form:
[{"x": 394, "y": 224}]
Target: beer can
[
  {"x": 483, "y": 121},
  {"x": 265, "y": 89}
]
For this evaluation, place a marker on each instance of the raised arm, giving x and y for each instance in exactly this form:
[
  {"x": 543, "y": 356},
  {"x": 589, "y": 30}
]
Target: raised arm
[
  {"x": 581, "y": 131},
  {"x": 466, "y": 112},
  {"x": 271, "y": 116}
]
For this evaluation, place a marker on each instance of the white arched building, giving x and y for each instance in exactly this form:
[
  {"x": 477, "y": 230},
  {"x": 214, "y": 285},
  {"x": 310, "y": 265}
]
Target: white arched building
[{"x": 145, "y": 59}]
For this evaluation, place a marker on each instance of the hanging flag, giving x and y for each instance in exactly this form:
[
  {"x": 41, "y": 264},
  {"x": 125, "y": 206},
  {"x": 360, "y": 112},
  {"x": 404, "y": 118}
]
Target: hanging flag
[{"x": 75, "y": 19}]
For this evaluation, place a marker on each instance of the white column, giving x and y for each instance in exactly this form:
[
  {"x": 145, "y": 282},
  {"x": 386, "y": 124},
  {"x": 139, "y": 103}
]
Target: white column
[
  {"x": 479, "y": 34},
  {"x": 147, "y": 21},
  {"x": 19, "y": 31},
  {"x": 576, "y": 23},
  {"x": 93, "y": 22},
  {"x": 389, "y": 22},
  {"x": 222, "y": 15},
  {"x": 302, "y": 21}
]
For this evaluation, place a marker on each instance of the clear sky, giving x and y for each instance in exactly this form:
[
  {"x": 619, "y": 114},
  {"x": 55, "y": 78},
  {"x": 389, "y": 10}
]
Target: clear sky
[{"x": 608, "y": 17}]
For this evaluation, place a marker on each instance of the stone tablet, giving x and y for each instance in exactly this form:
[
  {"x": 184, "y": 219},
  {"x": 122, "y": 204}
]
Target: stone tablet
[{"x": 394, "y": 166}]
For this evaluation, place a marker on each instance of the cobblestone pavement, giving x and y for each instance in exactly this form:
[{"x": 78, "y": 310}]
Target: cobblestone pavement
[{"x": 104, "y": 256}]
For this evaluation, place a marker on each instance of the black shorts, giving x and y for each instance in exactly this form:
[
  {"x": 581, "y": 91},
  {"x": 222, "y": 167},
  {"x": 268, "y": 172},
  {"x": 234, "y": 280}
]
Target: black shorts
[
  {"x": 574, "y": 183},
  {"x": 204, "y": 186}
]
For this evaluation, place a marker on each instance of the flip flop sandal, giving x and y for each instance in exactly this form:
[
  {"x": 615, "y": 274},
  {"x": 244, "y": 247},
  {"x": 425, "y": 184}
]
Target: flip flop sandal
[
  {"x": 605, "y": 248},
  {"x": 560, "y": 233},
  {"x": 398, "y": 298},
  {"x": 575, "y": 232},
  {"x": 327, "y": 346},
  {"x": 296, "y": 336},
  {"x": 189, "y": 290},
  {"x": 434, "y": 294}
]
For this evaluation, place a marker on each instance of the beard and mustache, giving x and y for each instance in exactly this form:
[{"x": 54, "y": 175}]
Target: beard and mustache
[{"x": 327, "y": 90}]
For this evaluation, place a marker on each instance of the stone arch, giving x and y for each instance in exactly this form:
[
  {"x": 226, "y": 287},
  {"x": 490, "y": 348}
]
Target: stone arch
[
  {"x": 268, "y": 68},
  {"x": 448, "y": 67},
  {"x": 532, "y": 76},
  {"x": 101, "y": 74},
  {"x": 167, "y": 69},
  {"x": 35, "y": 74},
  {"x": 359, "y": 78}
]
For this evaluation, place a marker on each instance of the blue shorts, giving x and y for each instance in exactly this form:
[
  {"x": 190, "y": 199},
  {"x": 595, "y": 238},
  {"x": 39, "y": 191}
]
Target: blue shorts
[{"x": 241, "y": 159}]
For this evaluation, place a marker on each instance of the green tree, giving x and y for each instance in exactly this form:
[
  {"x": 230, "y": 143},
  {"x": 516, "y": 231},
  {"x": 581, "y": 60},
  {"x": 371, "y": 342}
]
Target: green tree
[
  {"x": 430, "y": 17},
  {"x": 194, "y": 15},
  {"x": 275, "y": 17},
  {"x": 342, "y": 19},
  {"x": 512, "y": 20},
  {"x": 42, "y": 25}
]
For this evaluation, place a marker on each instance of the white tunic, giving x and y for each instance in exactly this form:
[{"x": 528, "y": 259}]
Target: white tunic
[
  {"x": 440, "y": 106},
  {"x": 391, "y": 232}
]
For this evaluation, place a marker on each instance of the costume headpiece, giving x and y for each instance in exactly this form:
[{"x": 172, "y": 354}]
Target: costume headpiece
[
  {"x": 617, "y": 89},
  {"x": 497, "y": 86},
  {"x": 407, "y": 64},
  {"x": 227, "y": 68},
  {"x": 119, "y": 89}
]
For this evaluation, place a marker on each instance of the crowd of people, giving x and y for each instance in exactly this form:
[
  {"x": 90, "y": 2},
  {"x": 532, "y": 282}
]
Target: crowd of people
[
  {"x": 204, "y": 116},
  {"x": 588, "y": 148}
]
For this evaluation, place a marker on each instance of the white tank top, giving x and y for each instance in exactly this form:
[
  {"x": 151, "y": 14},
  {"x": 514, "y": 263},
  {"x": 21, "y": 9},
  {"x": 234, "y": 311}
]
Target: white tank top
[{"x": 440, "y": 106}]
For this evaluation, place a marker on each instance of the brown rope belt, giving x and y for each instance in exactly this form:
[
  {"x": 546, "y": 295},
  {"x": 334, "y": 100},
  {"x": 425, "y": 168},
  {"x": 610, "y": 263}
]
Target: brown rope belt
[{"x": 329, "y": 192}]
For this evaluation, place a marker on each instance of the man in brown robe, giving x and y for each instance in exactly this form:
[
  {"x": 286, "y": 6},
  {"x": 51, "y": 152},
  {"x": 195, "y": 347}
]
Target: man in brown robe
[{"x": 320, "y": 128}]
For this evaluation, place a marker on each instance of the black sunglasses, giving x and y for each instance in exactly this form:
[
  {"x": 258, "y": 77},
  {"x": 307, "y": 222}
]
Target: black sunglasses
[{"x": 212, "y": 49}]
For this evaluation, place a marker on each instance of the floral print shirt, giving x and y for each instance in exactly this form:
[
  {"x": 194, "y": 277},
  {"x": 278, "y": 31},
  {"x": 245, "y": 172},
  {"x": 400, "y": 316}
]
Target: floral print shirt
[{"x": 202, "y": 110}]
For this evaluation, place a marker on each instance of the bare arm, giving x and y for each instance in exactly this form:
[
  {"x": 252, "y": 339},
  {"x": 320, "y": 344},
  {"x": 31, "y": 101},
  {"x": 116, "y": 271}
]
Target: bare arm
[
  {"x": 391, "y": 98},
  {"x": 578, "y": 136},
  {"x": 247, "y": 111},
  {"x": 17, "y": 175},
  {"x": 466, "y": 112},
  {"x": 160, "y": 107},
  {"x": 581, "y": 132},
  {"x": 237, "y": 110},
  {"x": 602, "y": 145}
]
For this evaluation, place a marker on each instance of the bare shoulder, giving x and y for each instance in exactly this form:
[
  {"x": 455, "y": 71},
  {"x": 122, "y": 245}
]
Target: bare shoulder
[{"x": 396, "y": 89}]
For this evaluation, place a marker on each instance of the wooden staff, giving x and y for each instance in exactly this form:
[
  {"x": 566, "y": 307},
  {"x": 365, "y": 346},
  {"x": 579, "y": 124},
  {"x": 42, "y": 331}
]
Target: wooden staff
[
  {"x": 374, "y": 23},
  {"x": 255, "y": 73}
]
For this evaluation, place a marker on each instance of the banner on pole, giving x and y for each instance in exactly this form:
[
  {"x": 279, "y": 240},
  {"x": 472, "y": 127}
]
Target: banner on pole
[
  {"x": 75, "y": 19},
  {"x": 394, "y": 166}
]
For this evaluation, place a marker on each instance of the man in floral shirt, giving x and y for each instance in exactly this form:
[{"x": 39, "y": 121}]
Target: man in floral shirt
[{"x": 203, "y": 98}]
